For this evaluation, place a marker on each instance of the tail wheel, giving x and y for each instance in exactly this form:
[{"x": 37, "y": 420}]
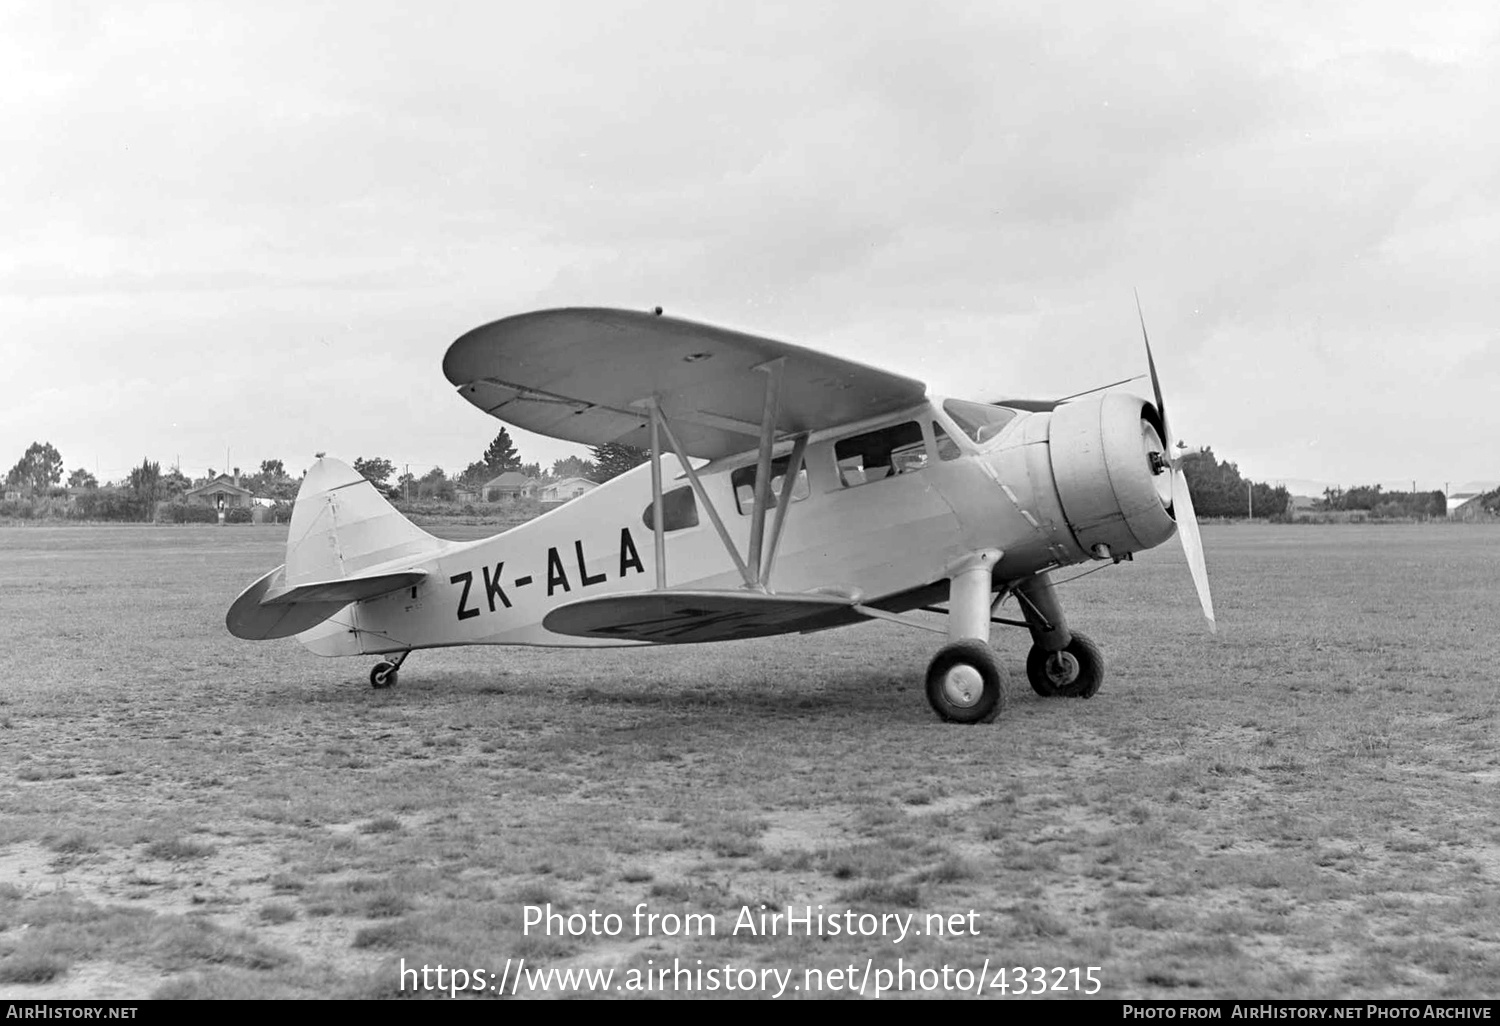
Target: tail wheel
[
  {"x": 965, "y": 683},
  {"x": 383, "y": 676},
  {"x": 1075, "y": 672}
]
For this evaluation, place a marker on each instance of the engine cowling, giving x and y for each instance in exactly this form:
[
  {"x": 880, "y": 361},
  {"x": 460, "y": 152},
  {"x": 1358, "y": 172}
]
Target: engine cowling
[{"x": 1111, "y": 470}]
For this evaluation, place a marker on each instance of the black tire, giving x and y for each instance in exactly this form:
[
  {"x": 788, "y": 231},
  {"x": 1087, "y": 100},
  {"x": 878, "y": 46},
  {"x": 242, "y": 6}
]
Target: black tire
[
  {"x": 383, "y": 676},
  {"x": 965, "y": 683},
  {"x": 1076, "y": 672}
]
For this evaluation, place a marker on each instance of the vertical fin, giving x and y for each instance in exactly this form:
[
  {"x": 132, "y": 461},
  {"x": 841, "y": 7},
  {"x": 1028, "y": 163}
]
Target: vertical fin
[{"x": 341, "y": 526}]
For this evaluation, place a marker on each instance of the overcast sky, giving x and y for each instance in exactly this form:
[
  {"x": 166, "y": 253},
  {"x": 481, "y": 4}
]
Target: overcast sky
[{"x": 257, "y": 227}]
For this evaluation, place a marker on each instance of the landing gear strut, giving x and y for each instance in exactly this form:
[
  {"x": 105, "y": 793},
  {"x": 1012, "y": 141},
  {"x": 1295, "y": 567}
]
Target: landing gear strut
[
  {"x": 965, "y": 683},
  {"x": 1062, "y": 663},
  {"x": 383, "y": 675}
]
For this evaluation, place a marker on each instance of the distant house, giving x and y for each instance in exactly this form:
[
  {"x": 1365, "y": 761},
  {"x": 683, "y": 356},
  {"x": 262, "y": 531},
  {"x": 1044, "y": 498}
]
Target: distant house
[
  {"x": 509, "y": 487},
  {"x": 1302, "y": 506},
  {"x": 223, "y": 492},
  {"x": 1463, "y": 502},
  {"x": 567, "y": 488}
]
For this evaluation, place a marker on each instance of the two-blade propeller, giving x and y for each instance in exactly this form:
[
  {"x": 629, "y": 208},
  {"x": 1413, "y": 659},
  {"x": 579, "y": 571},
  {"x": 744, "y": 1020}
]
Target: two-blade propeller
[{"x": 1182, "y": 499}]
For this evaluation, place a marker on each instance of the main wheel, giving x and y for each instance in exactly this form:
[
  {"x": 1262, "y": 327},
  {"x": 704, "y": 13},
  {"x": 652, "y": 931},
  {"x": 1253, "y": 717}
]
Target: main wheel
[
  {"x": 965, "y": 683},
  {"x": 383, "y": 675},
  {"x": 1075, "y": 672}
]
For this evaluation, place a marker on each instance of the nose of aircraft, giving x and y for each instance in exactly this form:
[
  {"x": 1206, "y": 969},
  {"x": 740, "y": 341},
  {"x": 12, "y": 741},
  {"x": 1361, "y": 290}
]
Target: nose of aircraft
[{"x": 1113, "y": 474}]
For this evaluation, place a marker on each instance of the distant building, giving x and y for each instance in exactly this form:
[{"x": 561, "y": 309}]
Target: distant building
[
  {"x": 567, "y": 488},
  {"x": 1463, "y": 502},
  {"x": 1302, "y": 506},
  {"x": 509, "y": 487},
  {"x": 223, "y": 492}
]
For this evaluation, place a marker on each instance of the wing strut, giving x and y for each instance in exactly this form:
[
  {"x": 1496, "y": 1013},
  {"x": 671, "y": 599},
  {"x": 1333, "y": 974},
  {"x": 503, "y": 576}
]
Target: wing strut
[
  {"x": 756, "y": 566},
  {"x": 658, "y": 529},
  {"x": 772, "y": 407},
  {"x": 784, "y": 502},
  {"x": 659, "y": 419}
]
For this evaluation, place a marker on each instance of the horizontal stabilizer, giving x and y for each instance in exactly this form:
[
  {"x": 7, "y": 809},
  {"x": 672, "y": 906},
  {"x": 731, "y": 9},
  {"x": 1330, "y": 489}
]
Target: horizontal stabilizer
[
  {"x": 685, "y": 617},
  {"x": 345, "y": 590},
  {"x": 269, "y": 609}
]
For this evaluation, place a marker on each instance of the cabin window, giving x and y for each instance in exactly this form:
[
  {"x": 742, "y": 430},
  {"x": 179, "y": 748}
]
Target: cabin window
[
  {"x": 893, "y": 450},
  {"x": 743, "y": 481},
  {"x": 980, "y": 421},
  {"x": 679, "y": 509},
  {"x": 947, "y": 448}
]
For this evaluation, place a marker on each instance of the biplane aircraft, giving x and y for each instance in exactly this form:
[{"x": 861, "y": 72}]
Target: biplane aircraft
[{"x": 787, "y": 491}]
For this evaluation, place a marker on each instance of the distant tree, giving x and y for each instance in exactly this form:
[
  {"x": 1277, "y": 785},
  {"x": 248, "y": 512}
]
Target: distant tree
[
  {"x": 1378, "y": 502},
  {"x": 272, "y": 481},
  {"x": 573, "y": 466},
  {"x": 172, "y": 484},
  {"x": 1365, "y": 497},
  {"x": 434, "y": 485},
  {"x": 1207, "y": 480},
  {"x": 612, "y": 459},
  {"x": 1219, "y": 490},
  {"x": 38, "y": 470},
  {"x": 145, "y": 486},
  {"x": 1272, "y": 501},
  {"x": 376, "y": 470},
  {"x": 81, "y": 478},
  {"x": 474, "y": 475},
  {"x": 531, "y": 470},
  {"x": 501, "y": 455}
]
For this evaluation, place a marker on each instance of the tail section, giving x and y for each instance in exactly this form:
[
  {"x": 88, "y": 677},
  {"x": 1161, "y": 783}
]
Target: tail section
[
  {"x": 346, "y": 544},
  {"x": 342, "y": 526}
]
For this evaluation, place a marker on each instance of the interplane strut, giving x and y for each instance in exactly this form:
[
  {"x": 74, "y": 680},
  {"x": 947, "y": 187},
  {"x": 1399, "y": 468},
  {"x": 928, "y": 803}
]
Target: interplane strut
[{"x": 756, "y": 565}]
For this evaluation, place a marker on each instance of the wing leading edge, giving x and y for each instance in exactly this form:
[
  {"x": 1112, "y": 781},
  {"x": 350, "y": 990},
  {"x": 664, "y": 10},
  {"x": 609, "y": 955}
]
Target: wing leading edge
[{"x": 583, "y": 374}]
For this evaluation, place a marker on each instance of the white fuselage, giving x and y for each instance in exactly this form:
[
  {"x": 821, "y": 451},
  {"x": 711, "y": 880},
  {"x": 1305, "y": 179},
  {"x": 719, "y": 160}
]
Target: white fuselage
[{"x": 868, "y": 537}]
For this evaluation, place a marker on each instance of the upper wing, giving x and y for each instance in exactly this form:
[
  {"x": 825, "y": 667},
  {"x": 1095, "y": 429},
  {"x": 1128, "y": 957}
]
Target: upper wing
[{"x": 575, "y": 373}]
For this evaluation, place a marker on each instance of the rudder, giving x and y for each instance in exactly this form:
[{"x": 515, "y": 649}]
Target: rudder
[{"x": 341, "y": 526}]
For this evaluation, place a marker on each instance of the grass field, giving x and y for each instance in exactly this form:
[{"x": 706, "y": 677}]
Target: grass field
[{"x": 1303, "y": 806}]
